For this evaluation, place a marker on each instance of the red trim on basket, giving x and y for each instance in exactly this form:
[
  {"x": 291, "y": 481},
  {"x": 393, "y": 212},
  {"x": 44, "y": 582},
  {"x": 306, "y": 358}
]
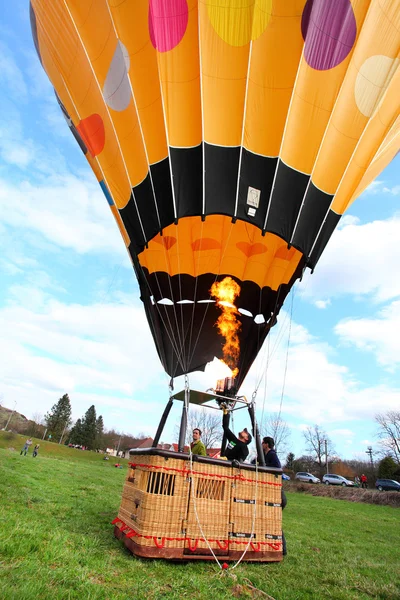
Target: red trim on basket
[
  {"x": 256, "y": 546},
  {"x": 186, "y": 472},
  {"x": 196, "y": 543},
  {"x": 131, "y": 534},
  {"x": 223, "y": 544}
]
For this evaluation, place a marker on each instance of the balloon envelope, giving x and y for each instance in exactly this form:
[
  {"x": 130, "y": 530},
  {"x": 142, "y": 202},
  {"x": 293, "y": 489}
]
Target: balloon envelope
[{"x": 228, "y": 136}]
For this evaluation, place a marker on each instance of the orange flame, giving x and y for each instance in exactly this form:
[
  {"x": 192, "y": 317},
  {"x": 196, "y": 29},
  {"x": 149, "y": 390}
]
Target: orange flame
[{"x": 226, "y": 292}]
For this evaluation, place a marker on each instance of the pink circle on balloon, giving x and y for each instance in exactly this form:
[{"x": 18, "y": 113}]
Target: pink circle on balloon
[{"x": 167, "y": 23}]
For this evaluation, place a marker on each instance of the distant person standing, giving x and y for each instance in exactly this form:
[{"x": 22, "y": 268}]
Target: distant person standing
[
  {"x": 26, "y": 447},
  {"x": 364, "y": 481},
  {"x": 36, "y": 450}
]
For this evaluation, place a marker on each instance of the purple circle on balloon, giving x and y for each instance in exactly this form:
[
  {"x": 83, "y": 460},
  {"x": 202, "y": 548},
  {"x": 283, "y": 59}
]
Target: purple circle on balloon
[
  {"x": 329, "y": 30},
  {"x": 167, "y": 23}
]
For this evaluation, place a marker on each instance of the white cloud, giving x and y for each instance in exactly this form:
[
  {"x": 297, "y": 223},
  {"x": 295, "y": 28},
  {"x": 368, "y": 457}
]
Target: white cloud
[
  {"x": 11, "y": 77},
  {"x": 318, "y": 388},
  {"x": 101, "y": 354},
  {"x": 341, "y": 432},
  {"x": 348, "y": 220},
  {"x": 322, "y": 304},
  {"x": 359, "y": 260},
  {"x": 379, "y": 187},
  {"x": 378, "y": 335},
  {"x": 67, "y": 211}
]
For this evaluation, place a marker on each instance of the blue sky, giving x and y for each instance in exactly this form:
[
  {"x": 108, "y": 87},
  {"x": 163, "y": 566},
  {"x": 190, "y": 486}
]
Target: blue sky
[{"x": 70, "y": 313}]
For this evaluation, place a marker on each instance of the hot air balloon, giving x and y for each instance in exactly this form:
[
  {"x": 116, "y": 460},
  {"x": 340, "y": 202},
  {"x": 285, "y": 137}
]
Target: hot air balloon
[{"x": 229, "y": 137}]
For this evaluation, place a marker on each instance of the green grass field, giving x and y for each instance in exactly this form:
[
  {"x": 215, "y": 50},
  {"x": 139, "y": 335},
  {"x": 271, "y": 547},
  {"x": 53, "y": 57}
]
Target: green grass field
[{"x": 56, "y": 542}]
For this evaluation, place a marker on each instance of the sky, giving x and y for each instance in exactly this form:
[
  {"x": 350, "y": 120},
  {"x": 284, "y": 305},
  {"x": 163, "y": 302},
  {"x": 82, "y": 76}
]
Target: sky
[{"x": 71, "y": 320}]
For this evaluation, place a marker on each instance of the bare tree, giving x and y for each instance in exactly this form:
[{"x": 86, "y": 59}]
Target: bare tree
[
  {"x": 317, "y": 441},
  {"x": 275, "y": 427},
  {"x": 209, "y": 424},
  {"x": 389, "y": 432}
]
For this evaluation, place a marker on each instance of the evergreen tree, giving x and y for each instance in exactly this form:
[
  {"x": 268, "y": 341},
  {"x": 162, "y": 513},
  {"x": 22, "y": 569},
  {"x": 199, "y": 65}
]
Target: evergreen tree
[
  {"x": 89, "y": 430},
  {"x": 290, "y": 461},
  {"x": 387, "y": 468},
  {"x": 75, "y": 436},
  {"x": 58, "y": 418},
  {"x": 99, "y": 432}
]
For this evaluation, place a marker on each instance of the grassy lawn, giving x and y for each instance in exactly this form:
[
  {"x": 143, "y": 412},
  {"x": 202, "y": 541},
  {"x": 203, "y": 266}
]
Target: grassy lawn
[{"x": 56, "y": 542}]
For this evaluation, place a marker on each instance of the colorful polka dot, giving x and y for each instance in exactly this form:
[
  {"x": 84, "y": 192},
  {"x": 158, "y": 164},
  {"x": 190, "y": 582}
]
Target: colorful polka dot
[
  {"x": 261, "y": 17},
  {"x": 372, "y": 81},
  {"x": 329, "y": 30},
  {"x": 232, "y": 21},
  {"x": 92, "y": 132},
  {"x": 167, "y": 23},
  {"x": 117, "y": 89}
]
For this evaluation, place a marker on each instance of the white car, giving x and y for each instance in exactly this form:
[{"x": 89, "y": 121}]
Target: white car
[
  {"x": 331, "y": 479},
  {"x": 307, "y": 477}
]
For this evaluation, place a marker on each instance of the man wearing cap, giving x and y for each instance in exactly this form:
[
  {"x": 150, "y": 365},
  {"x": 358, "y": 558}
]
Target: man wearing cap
[{"x": 237, "y": 448}]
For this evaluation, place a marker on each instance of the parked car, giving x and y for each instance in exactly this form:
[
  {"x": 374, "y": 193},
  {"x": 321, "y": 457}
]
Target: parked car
[
  {"x": 389, "y": 485},
  {"x": 331, "y": 479},
  {"x": 285, "y": 477},
  {"x": 308, "y": 477}
]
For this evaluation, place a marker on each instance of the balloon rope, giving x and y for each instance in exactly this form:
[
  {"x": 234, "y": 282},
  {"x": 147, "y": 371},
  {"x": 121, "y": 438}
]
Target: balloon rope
[
  {"x": 287, "y": 357},
  {"x": 192, "y": 487}
]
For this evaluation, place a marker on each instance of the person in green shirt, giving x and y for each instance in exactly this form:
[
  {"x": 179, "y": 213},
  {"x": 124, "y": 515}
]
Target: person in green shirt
[{"x": 197, "y": 445}]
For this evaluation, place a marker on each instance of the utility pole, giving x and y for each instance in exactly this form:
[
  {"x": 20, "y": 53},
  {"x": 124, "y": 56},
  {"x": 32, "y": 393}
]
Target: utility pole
[
  {"x": 326, "y": 456},
  {"x": 369, "y": 452},
  {"x": 44, "y": 435},
  {"x": 119, "y": 443},
  {"x": 9, "y": 418}
]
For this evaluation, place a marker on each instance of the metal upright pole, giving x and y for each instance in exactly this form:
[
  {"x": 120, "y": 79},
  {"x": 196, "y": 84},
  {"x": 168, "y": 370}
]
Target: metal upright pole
[
  {"x": 326, "y": 456},
  {"x": 9, "y": 418},
  {"x": 183, "y": 428},
  {"x": 224, "y": 438},
  {"x": 260, "y": 452},
  {"x": 161, "y": 426}
]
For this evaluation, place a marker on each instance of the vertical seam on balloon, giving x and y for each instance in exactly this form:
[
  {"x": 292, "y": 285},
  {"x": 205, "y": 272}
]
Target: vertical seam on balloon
[
  {"x": 215, "y": 279},
  {"x": 112, "y": 124},
  {"x": 243, "y": 125},
  {"x": 109, "y": 116},
  {"x": 50, "y": 42},
  {"x": 131, "y": 259},
  {"x": 323, "y": 139},
  {"x": 138, "y": 118},
  {"x": 203, "y": 143},
  {"x": 172, "y": 181},
  {"x": 283, "y": 139},
  {"x": 121, "y": 223},
  {"x": 151, "y": 178},
  {"x": 360, "y": 139}
]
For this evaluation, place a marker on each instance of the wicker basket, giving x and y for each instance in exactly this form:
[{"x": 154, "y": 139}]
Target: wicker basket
[{"x": 173, "y": 509}]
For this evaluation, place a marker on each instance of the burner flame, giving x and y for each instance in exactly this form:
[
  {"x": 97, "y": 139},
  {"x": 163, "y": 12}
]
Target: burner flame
[{"x": 226, "y": 292}]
